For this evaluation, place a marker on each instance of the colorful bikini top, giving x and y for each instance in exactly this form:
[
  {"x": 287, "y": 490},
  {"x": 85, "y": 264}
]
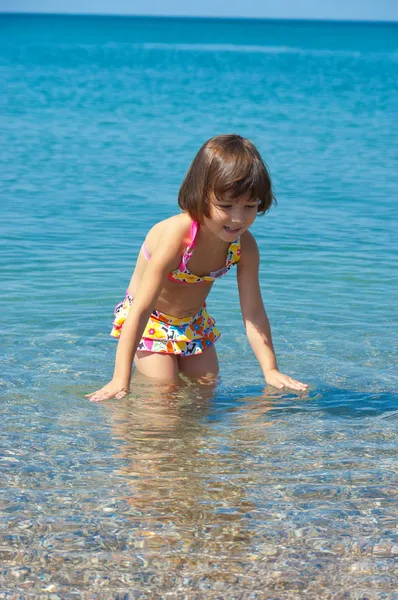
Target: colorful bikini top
[{"x": 183, "y": 274}]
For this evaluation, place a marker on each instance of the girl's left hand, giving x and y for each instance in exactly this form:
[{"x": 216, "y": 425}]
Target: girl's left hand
[{"x": 279, "y": 380}]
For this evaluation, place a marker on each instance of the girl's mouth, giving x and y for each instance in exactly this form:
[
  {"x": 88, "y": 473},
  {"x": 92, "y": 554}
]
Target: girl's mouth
[{"x": 231, "y": 230}]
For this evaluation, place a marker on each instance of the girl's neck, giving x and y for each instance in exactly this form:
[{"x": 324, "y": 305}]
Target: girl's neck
[{"x": 211, "y": 239}]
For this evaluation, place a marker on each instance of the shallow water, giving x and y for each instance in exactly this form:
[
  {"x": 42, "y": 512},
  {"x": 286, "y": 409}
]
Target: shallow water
[
  {"x": 184, "y": 493},
  {"x": 189, "y": 491}
]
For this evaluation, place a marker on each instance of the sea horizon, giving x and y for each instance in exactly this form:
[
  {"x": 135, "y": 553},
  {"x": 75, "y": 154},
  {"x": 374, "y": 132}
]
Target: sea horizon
[{"x": 205, "y": 18}]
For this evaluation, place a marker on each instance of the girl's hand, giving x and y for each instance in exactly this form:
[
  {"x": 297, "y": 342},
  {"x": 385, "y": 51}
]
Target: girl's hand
[
  {"x": 114, "y": 389},
  {"x": 279, "y": 380}
]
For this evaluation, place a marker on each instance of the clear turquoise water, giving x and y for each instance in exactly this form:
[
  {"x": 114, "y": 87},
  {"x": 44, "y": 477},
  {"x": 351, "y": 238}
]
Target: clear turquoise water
[{"x": 239, "y": 493}]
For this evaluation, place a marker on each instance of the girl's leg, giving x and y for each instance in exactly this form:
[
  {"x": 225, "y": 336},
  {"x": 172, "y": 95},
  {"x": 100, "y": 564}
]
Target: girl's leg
[
  {"x": 200, "y": 366},
  {"x": 156, "y": 366}
]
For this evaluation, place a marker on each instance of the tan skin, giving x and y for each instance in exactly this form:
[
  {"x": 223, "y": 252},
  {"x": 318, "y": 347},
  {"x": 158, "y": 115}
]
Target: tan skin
[{"x": 151, "y": 288}]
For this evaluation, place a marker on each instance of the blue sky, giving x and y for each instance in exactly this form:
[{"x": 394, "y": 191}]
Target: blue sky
[{"x": 378, "y": 10}]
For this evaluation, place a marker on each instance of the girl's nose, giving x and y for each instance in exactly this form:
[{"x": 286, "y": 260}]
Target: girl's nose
[{"x": 238, "y": 217}]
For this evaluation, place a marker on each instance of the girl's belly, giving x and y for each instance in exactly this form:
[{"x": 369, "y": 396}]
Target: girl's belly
[{"x": 181, "y": 299}]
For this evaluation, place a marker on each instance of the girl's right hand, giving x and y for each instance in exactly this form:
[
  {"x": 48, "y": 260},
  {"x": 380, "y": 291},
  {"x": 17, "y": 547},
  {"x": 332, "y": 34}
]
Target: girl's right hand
[{"x": 114, "y": 389}]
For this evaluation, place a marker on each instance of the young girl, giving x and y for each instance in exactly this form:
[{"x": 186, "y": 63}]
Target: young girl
[{"x": 163, "y": 323}]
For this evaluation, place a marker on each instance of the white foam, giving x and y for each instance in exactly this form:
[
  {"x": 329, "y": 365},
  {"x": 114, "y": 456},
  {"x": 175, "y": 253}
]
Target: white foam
[{"x": 246, "y": 48}]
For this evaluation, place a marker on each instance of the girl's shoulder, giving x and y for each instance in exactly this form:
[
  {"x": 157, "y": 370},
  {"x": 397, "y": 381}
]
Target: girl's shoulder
[
  {"x": 249, "y": 249},
  {"x": 175, "y": 230},
  {"x": 248, "y": 242}
]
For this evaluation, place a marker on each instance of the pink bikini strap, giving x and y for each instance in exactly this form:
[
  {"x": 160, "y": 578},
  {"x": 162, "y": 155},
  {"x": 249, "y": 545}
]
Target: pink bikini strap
[
  {"x": 145, "y": 252},
  {"x": 188, "y": 251}
]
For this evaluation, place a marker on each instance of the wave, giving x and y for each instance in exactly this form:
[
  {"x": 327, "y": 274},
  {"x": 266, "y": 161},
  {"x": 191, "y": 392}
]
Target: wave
[{"x": 245, "y": 48}]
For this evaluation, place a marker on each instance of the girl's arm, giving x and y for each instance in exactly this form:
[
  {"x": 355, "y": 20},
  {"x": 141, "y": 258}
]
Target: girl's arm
[
  {"x": 165, "y": 258},
  {"x": 256, "y": 322}
]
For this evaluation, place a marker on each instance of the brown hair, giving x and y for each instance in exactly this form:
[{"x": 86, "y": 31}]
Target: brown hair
[{"x": 225, "y": 163}]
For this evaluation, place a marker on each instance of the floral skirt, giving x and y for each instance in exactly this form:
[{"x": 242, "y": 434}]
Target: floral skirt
[{"x": 170, "y": 335}]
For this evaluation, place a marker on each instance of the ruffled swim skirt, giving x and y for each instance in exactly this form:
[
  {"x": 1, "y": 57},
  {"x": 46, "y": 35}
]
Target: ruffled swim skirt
[{"x": 170, "y": 335}]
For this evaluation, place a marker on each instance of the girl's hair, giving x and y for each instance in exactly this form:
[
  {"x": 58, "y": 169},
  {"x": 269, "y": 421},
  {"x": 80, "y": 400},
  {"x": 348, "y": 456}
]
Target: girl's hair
[{"x": 225, "y": 164}]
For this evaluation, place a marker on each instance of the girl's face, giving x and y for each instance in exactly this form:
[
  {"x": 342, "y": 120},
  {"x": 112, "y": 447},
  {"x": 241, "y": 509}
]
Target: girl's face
[{"x": 230, "y": 217}]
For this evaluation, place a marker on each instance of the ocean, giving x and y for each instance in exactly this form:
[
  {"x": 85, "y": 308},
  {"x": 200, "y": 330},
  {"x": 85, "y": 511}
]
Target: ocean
[{"x": 185, "y": 492}]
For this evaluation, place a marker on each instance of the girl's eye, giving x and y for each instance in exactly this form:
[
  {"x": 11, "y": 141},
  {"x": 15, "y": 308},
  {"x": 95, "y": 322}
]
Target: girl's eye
[{"x": 230, "y": 205}]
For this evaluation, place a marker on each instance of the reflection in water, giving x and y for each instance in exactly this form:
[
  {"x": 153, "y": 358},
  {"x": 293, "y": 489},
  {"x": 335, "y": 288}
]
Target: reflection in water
[{"x": 181, "y": 470}]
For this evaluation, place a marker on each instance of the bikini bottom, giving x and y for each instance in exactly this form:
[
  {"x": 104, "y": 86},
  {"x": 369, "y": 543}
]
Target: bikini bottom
[{"x": 170, "y": 335}]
